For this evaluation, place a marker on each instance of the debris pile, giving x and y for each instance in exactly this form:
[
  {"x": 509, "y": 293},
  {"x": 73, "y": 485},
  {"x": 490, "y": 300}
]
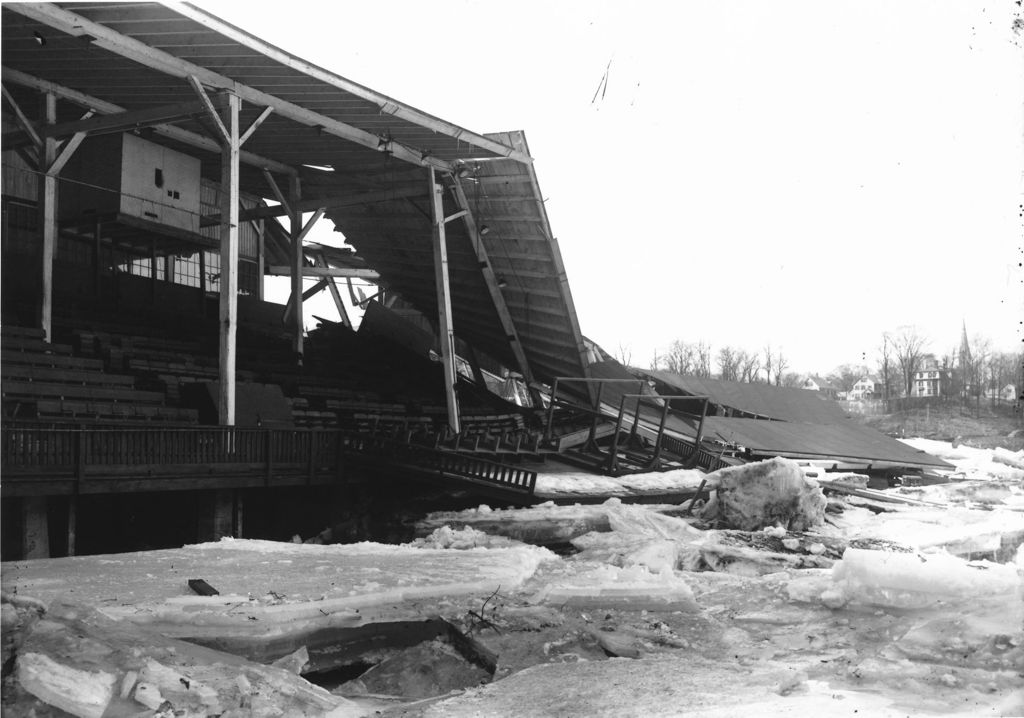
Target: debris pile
[{"x": 801, "y": 596}]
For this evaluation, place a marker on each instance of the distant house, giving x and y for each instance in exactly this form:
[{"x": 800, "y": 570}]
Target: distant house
[
  {"x": 932, "y": 379},
  {"x": 867, "y": 387},
  {"x": 1007, "y": 393},
  {"x": 816, "y": 383}
]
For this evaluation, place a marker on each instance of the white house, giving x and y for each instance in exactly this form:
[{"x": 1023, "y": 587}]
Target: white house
[
  {"x": 816, "y": 383},
  {"x": 867, "y": 387},
  {"x": 932, "y": 379}
]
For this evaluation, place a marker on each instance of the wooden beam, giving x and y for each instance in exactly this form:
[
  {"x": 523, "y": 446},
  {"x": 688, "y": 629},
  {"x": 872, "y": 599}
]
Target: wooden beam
[
  {"x": 332, "y": 286},
  {"x": 335, "y": 294},
  {"x": 255, "y": 125},
  {"x": 508, "y": 326},
  {"x": 211, "y": 112},
  {"x": 170, "y": 132},
  {"x": 229, "y": 181},
  {"x": 261, "y": 253},
  {"x": 22, "y": 120},
  {"x": 109, "y": 39},
  {"x": 68, "y": 149},
  {"x": 315, "y": 289},
  {"x": 295, "y": 222},
  {"x": 446, "y": 332},
  {"x": 327, "y": 203},
  {"x": 278, "y": 270},
  {"x": 386, "y": 104},
  {"x": 127, "y": 120},
  {"x": 278, "y": 195},
  {"x": 311, "y": 223},
  {"x": 48, "y": 219}
]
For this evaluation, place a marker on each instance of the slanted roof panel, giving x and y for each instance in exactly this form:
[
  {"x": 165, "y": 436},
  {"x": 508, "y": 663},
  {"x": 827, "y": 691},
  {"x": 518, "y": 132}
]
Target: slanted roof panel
[
  {"x": 842, "y": 440},
  {"x": 783, "y": 403},
  {"x": 395, "y": 239}
]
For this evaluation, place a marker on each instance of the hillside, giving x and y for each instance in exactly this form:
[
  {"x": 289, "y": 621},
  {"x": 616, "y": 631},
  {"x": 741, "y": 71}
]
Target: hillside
[{"x": 983, "y": 427}]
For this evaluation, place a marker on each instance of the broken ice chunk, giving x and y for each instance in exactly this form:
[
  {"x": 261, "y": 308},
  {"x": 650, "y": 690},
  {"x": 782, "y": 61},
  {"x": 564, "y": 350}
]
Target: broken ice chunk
[
  {"x": 633, "y": 588},
  {"x": 912, "y": 580}
]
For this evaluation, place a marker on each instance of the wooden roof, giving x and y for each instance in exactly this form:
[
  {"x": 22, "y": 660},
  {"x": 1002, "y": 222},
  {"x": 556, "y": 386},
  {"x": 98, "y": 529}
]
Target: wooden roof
[
  {"x": 763, "y": 400},
  {"x": 141, "y": 57},
  {"x": 394, "y": 237}
]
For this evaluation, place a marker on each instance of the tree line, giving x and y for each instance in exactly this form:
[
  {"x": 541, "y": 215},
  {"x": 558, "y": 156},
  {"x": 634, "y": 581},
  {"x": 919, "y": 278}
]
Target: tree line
[
  {"x": 728, "y": 363},
  {"x": 971, "y": 369}
]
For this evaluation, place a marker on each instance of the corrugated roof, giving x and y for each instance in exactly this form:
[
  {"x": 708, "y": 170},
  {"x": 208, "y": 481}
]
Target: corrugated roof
[
  {"x": 764, "y": 400},
  {"x": 823, "y": 432},
  {"x": 394, "y": 236},
  {"x": 842, "y": 440}
]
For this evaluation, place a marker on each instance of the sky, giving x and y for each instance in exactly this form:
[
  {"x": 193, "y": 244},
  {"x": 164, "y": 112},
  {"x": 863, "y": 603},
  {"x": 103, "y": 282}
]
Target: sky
[{"x": 807, "y": 175}]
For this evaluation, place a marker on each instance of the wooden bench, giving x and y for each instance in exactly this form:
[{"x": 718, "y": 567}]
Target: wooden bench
[
  {"x": 54, "y": 390},
  {"x": 29, "y": 372},
  {"x": 13, "y": 330},
  {"x": 50, "y": 360},
  {"x": 112, "y": 412},
  {"x": 33, "y": 344}
]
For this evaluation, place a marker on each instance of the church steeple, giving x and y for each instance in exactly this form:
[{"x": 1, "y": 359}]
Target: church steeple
[
  {"x": 966, "y": 363},
  {"x": 965, "y": 348}
]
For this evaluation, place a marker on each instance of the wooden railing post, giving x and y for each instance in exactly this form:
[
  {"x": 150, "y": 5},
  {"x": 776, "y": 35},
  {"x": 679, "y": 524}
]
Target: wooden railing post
[
  {"x": 311, "y": 460},
  {"x": 268, "y": 448},
  {"x": 339, "y": 452},
  {"x": 80, "y": 442}
]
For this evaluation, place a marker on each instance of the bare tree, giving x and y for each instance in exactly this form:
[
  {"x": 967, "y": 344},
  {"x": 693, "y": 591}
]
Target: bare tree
[
  {"x": 790, "y": 379},
  {"x": 624, "y": 355},
  {"x": 728, "y": 368},
  {"x": 768, "y": 363},
  {"x": 703, "y": 369},
  {"x": 974, "y": 372},
  {"x": 781, "y": 364},
  {"x": 686, "y": 358},
  {"x": 846, "y": 375},
  {"x": 750, "y": 367},
  {"x": 908, "y": 347},
  {"x": 885, "y": 365}
]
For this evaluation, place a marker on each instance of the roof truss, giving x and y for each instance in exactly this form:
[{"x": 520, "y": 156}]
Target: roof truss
[{"x": 112, "y": 41}]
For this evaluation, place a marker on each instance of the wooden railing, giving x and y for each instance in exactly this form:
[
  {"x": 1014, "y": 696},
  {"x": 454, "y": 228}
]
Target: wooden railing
[
  {"x": 447, "y": 463},
  {"x": 704, "y": 459},
  {"x": 48, "y": 460}
]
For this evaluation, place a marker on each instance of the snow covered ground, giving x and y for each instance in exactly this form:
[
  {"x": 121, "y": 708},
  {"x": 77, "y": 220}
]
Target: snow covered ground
[{"x": 868, "y": 613}]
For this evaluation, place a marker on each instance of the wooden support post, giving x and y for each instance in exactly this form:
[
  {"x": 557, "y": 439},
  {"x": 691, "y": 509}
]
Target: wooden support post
[
  {"x": 202, "y": 282},
  {"x": 295, "y": 221},
  {"x": 72, "y": 524},
  {"x": 260, "y": 257},
  {"x": 444, "y": 305},
  {"x": 152, "y": 270},
  {"x": 216, "y": 515},
  {"x": 97, "y": 257},
  {"x": 48, "y": 219},
  {"x": 229, "y": 188},
  {"x": 239, "y": 514},
  {"x": 35, "y": 530}
]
